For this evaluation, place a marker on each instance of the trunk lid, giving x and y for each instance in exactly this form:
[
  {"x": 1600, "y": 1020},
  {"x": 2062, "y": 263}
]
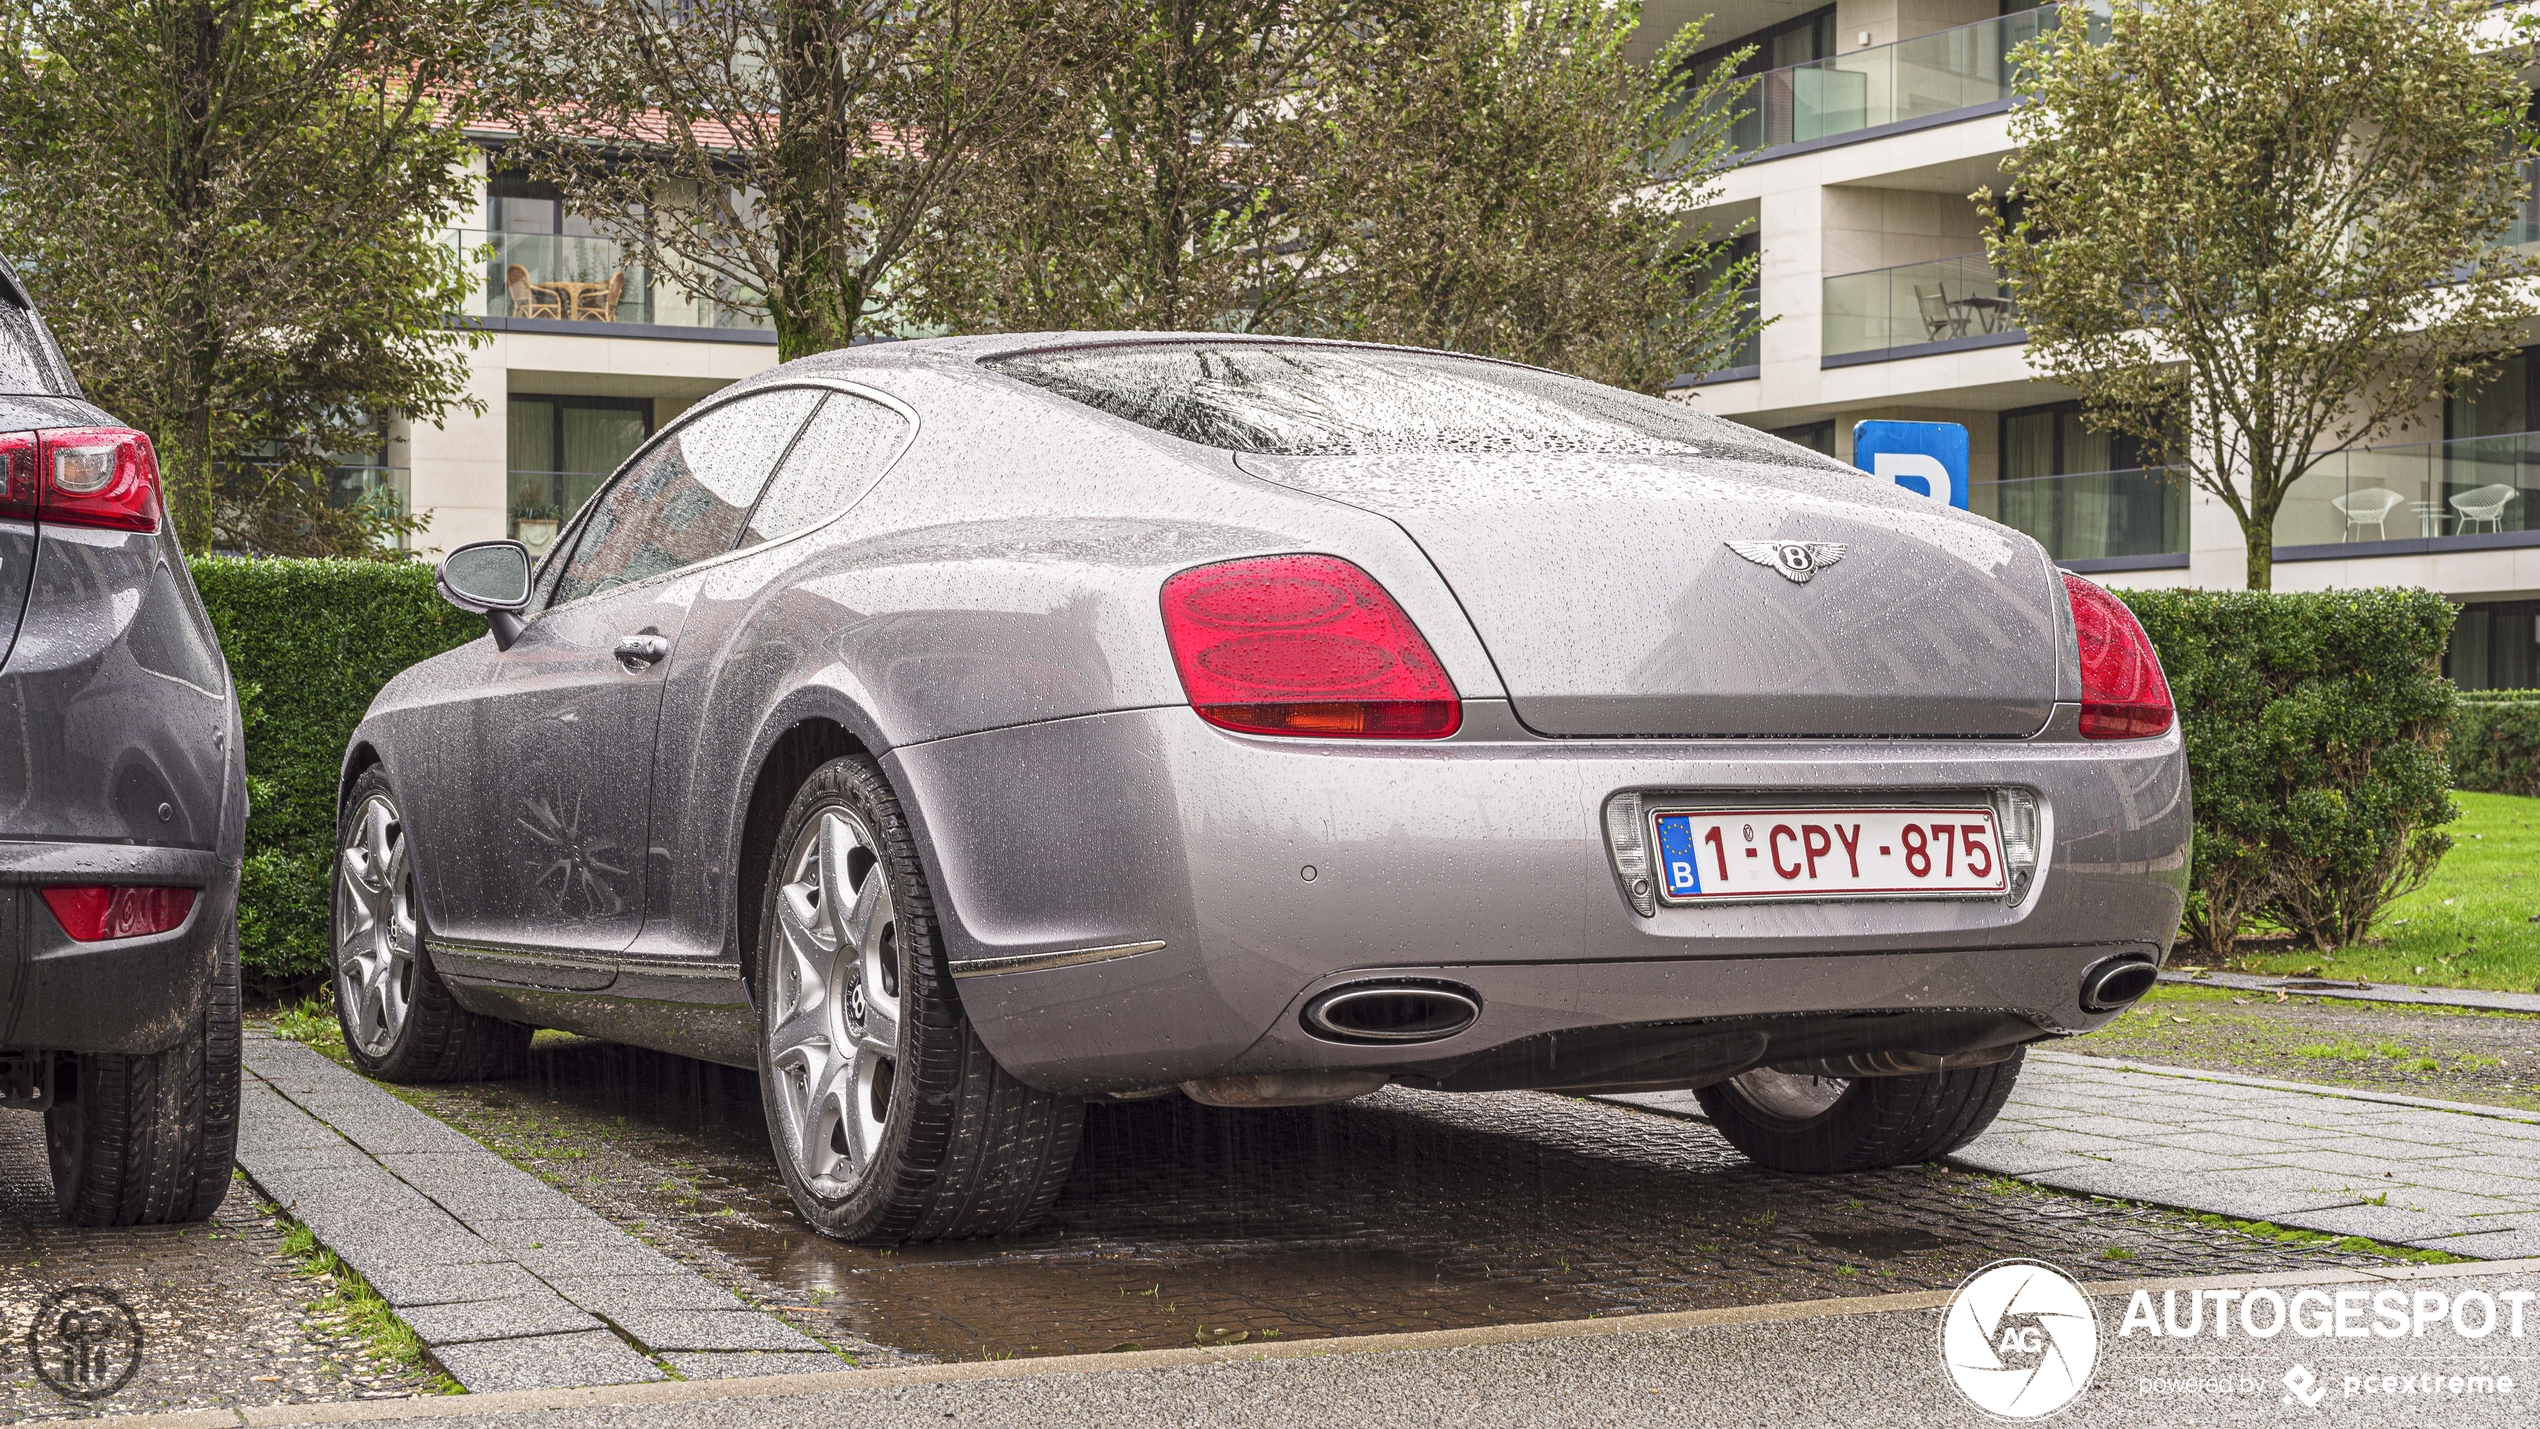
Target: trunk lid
[{"x": 1613, "y": 604}]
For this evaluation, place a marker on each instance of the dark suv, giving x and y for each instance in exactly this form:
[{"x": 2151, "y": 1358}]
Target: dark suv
[{"x": 123, "y": 810}]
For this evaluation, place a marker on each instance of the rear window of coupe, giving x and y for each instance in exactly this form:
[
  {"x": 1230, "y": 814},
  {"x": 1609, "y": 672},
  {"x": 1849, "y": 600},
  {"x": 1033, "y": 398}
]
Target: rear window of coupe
[{"x": 1306, "y": 399}]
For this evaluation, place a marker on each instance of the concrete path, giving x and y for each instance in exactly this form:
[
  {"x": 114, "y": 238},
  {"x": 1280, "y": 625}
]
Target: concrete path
[
  {"x": 2402, "y": 994},
  {"x": 512, "y": 1284},
  {"x": 1866, "y": 1360},
  {"x": 2441, "y": 1175}
]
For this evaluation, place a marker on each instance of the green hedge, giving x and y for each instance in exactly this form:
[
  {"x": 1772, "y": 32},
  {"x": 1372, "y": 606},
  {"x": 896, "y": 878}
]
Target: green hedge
[
  {"x": 309, "y": 643},
  {"x": 2315, "y": 729},
  {"x": 2496, "y": 742}
]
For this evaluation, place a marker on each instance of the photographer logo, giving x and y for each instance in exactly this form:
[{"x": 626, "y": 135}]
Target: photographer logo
[
  {"x": 2019, "y": 1339},
  {"x": 85, "y": 1342}
]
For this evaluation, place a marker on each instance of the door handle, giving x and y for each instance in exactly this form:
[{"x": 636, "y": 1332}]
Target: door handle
[{"x": 638, "y": 652}]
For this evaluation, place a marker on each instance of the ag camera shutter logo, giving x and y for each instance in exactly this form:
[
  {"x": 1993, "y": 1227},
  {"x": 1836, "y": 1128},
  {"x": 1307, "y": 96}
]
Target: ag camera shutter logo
[{"x": 2019, "y": 1339}]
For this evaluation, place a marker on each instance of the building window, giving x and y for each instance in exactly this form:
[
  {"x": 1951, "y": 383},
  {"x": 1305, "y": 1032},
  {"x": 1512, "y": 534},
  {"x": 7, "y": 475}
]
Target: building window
[
  {"x": 562, "y": 448},
  {"x": 1794, "y": 41},
  {"x": 2051, "y": 441},
  {"x": 2500, "y": 406},
  {"x": 2495, "y": 646}
]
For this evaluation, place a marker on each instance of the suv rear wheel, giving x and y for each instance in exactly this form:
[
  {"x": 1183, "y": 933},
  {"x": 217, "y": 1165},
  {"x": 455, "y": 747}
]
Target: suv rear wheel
[
  {"x": 890, "y": 1119},
  {"x": 1820, "y": 1125},
  {"x": 400, "y": 1022},
  {"x": 147, "y": 1140}
]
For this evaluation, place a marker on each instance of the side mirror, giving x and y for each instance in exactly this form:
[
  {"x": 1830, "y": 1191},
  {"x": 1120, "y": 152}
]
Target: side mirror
[{"x": 492, "y": 579}]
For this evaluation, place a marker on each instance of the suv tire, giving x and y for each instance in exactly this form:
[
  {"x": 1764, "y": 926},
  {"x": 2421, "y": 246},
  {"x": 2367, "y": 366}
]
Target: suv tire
[
  {"x": 1822, "y": 1125},
  {"x": 147, "y": 1139},
  {"x": 889, "y": 1118}
]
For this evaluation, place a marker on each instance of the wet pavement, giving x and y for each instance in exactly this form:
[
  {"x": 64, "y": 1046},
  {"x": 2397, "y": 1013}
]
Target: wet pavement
[
  {"x": 225, "y": 1317},
  {"x": 1401, "y": 1211}
]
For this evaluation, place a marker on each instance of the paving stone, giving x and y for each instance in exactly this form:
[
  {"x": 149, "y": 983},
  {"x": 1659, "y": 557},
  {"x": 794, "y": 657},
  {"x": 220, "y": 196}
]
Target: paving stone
[
  {"x": 468, "y": 1188},
  {"x": 617, "y": 1295},
  {"x": 2010, "y": 1156},
  {"x": 2383, "y": 1223},
  {"x": 564, "y": 1261},
  {"x": 540, "y": 1312},
  {"x": 546, "y": 1362},
  {"x": 2487, "y": 1245},
  {"x": 730, "y": 1365},
  {"x": 664, "y": 1330},
  {"x": 402, "y": 1286},
  {"x": 578, "y": 1228}
]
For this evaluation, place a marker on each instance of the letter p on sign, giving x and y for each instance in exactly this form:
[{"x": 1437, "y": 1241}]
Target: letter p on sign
[{"x": 1925, "y": 458}]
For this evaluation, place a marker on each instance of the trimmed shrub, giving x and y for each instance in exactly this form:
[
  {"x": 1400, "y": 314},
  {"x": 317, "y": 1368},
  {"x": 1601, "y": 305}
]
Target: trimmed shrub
[
  {"x": 309, "y": 642},
  {"x": 2496, "y": 742},
  {"x": 2315, "y": 728}
]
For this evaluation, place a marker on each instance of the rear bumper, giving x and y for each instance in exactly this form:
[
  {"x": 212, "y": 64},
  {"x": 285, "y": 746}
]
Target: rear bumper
[
  {"x": 121, "y": 995},
  {"x": 1483, "y": 860}
]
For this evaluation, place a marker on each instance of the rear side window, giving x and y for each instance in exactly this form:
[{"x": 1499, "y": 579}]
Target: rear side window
[
  {"x": 29, "y": 362},
  {"x": 685, "y": 498},
  {"x": 1306, "y": 399},
  {"x": 840, "y": 453}
]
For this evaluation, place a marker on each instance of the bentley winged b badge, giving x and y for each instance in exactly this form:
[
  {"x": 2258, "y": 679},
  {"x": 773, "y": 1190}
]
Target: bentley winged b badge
[{"x": 1796, "y": 560}]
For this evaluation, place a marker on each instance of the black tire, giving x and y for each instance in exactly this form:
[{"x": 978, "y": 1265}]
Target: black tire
[
  {"x": 1873, "y": 1122},
  {"x": 435, "y": 1039},
  {"x": 963, "y": 1148},
  {"x": 148, "y": 1139}
]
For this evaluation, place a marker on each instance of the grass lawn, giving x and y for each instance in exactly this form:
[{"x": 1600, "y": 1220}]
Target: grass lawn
[{"x": 2476, "y": 923}]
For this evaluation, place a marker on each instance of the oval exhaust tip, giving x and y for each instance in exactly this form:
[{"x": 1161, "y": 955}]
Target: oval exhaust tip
[
  {"x": 2117, "y": 982},
  {"x": 1392, "y": 1012}
]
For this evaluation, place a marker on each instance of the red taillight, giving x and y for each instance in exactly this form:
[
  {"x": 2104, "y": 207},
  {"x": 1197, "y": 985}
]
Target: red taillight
[
  {"x": 94, "y": 913},
  {"x": 1305, "y": 645},
  {"x": 2122, "y": 693},
  {"x": 97, "y": 476}
]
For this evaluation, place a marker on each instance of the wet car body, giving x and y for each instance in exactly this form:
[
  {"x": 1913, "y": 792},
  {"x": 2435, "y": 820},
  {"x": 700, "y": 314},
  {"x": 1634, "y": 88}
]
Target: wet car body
[
  {"x": 122, "y": 768},
  {"x": 1131, "y": 898}
]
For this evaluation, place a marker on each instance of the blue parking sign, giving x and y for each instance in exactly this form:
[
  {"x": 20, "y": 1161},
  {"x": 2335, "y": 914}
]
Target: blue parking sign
[{"x": 1925, "y": 458}]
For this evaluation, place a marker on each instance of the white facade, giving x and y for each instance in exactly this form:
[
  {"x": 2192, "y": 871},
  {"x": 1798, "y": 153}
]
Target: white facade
[{"x": 1881, "y": 306}]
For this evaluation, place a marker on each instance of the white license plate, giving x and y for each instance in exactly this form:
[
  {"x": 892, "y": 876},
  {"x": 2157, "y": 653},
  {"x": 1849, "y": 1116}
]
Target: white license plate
[{"x": 1707, "y": 855}]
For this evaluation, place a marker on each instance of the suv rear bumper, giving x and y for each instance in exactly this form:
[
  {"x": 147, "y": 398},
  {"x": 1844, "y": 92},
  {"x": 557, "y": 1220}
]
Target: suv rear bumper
[{"x": 124, "y": 994}]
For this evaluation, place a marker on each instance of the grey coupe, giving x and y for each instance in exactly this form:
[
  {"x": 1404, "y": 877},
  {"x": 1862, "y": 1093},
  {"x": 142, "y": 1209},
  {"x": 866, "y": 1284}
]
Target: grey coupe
[{"x": 960, "y": 731}]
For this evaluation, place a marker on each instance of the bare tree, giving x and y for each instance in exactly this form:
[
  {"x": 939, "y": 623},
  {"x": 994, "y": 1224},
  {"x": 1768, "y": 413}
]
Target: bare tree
[{"x": 779, "y": 156}]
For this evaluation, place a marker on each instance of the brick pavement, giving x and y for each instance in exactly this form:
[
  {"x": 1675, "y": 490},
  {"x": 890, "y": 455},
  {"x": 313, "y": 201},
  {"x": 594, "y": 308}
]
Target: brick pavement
[{"x": 512, "y": 1284}]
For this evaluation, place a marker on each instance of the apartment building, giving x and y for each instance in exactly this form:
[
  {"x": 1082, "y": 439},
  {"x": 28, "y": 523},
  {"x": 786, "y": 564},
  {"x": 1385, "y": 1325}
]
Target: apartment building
[
  {"x": 587, "y": 354},
  {"x": 1869, "y": 125}
]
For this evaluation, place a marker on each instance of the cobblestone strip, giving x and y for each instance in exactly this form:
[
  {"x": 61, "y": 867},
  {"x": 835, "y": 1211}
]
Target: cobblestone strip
[
  {"x": 2463, "y": 1180},
  {"x": 511, "y": 1283}
]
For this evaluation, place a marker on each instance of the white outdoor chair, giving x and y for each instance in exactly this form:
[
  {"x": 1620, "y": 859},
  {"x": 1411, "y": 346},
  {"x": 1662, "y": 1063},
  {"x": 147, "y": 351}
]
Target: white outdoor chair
[
  {"x": 2484, "y": 503},
  {"x": 2369, "y": 507}
]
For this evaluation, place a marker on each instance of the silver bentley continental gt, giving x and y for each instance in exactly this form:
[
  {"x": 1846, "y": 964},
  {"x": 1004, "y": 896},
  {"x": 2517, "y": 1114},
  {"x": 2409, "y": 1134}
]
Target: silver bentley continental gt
[{"x": 960, "y": 731}]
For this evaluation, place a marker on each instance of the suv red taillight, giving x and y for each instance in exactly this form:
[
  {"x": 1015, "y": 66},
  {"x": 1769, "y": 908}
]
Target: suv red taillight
[
  {"x": 96, "y": 476},
  {"x": 94, "y": 912},
  {"x": 1304, "y": 645},
  {"x": 2122, "y": 693}
]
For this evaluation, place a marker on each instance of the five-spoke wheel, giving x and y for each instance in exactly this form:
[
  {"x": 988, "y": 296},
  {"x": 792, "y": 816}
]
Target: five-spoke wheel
[{"x": 833, "y": 1030}]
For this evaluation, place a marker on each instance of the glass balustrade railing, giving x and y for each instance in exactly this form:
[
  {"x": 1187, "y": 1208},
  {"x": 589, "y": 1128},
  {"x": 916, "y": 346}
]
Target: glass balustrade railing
[
  {"x": 2419, "y": 490},
  {"x": 2091, "y": 516},
  {"x": 1913, "y": 304},
  {"x": 576, "y": 278},
  {"x": 1927, "y": 75}
]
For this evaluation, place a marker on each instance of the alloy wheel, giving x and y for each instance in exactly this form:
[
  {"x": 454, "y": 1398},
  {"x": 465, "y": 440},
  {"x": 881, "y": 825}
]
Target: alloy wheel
[
  {"x": 833, "y": 1025},
  {"x": 375, "y": 928},
  {"x": 1789, "y": 1095}
]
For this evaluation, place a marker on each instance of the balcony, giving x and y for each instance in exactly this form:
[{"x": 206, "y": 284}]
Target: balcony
[
  {"x": 1917, "y": 308},
  {"x": 1918, "y": 79},
  {"x": 2095, "y": 521},
  {"x": 2417, "y": 497},
  {"x": 570, "y": 278}
]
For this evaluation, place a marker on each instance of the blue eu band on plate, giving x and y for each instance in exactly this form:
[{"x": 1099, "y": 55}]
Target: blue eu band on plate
[{"x": 1707, "y": 855}]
